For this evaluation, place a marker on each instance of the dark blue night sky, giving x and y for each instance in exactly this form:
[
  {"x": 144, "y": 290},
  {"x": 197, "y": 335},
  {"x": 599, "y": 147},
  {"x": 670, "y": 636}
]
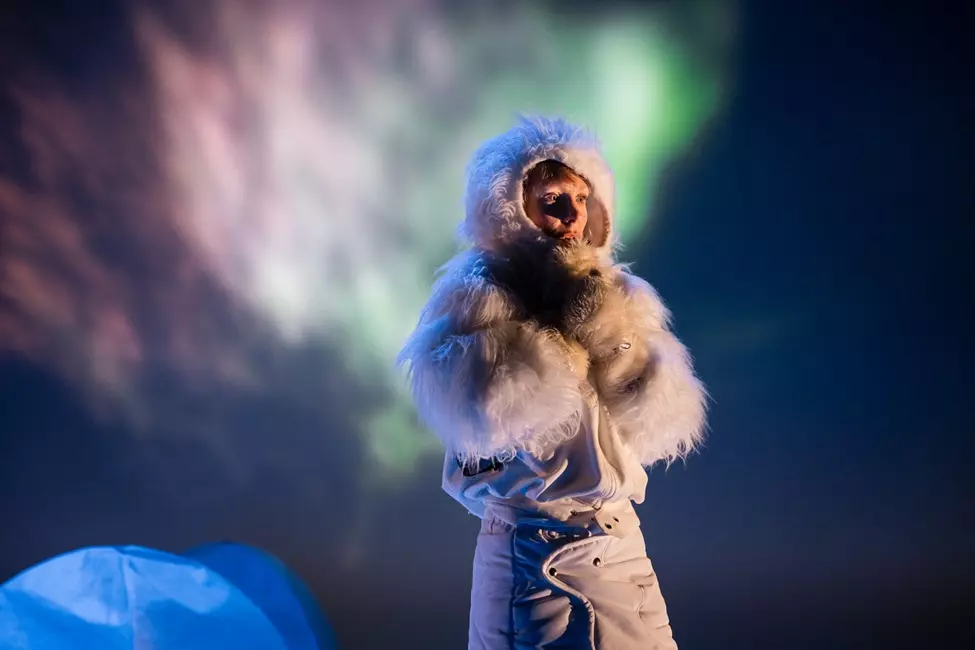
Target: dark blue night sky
[{"x": 815, "y": 247}]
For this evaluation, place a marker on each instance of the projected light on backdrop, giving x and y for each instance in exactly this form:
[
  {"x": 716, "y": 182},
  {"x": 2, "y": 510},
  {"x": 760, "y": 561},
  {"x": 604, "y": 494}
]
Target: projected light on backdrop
[{"x": 289, "y": 174}]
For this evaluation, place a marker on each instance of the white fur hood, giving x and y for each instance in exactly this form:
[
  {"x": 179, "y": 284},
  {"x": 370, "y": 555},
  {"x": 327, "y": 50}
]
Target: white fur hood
[{"x": 494, "y": 202}]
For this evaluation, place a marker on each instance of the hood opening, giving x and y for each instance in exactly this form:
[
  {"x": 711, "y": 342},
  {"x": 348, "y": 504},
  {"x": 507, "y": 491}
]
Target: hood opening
[{"x": 597, "y": 226}]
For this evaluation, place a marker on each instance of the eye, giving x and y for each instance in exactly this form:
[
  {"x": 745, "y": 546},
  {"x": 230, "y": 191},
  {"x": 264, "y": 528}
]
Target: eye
[
  {"x": 550, "y": 197},
  {"x": 582, "y": 198},
  {"x": 631, "y": 387}
]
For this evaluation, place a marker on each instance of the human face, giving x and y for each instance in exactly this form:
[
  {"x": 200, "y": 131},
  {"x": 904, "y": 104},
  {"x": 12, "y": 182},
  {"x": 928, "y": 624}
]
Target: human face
[{"x": 558, "y": 206}]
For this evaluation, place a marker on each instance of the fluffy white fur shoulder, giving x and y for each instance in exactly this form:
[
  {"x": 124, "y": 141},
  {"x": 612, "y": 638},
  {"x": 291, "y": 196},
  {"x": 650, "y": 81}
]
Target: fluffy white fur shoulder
[
  {"x": 484, "y": 383},
  {"x": 644, "y": 374}
]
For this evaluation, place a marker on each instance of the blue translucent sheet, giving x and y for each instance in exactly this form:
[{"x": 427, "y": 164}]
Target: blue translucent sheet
[{"x": 114, "y": 598}]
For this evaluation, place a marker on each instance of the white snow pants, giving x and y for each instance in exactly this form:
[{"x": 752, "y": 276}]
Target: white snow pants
[{"x": 545, "y": 588}]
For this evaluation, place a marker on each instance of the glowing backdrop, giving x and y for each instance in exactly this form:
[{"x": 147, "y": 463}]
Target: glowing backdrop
[{"x": 288, "y": 175}]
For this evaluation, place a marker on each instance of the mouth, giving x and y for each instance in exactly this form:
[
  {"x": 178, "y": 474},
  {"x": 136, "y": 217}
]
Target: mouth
[
  {"x": 564, "y": 236},
  {"x": 568, "y": 239}
]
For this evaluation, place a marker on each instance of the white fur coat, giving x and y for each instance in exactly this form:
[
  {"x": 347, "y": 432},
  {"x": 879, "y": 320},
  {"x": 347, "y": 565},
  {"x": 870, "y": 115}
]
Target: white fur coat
[{"x": 519, "y": 332}]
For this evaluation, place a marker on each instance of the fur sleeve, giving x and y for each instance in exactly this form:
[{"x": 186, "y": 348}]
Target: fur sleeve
[
  {"x": 486, "y": 383},
  {"x": 643, "y": 373}
]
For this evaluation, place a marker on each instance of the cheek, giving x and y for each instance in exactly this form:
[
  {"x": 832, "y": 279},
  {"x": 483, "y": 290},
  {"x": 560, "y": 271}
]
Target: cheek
[
  {"x": 540, "y": 218},
  {"x": 583, "y": 219}
]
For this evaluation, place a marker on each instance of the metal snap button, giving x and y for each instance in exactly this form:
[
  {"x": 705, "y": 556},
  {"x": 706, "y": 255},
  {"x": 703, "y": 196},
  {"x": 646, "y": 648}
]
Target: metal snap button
[
  {"x": 596, "y": 561},
  {"x": 552, "y": 571}
]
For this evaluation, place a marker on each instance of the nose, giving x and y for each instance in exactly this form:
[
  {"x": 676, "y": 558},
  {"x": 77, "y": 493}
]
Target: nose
[{"x": 565, "y": 211}]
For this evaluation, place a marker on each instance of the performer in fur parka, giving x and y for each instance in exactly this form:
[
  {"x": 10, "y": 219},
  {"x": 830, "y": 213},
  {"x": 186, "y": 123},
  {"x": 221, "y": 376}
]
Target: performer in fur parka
[{"x": 551, "y": 376}]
